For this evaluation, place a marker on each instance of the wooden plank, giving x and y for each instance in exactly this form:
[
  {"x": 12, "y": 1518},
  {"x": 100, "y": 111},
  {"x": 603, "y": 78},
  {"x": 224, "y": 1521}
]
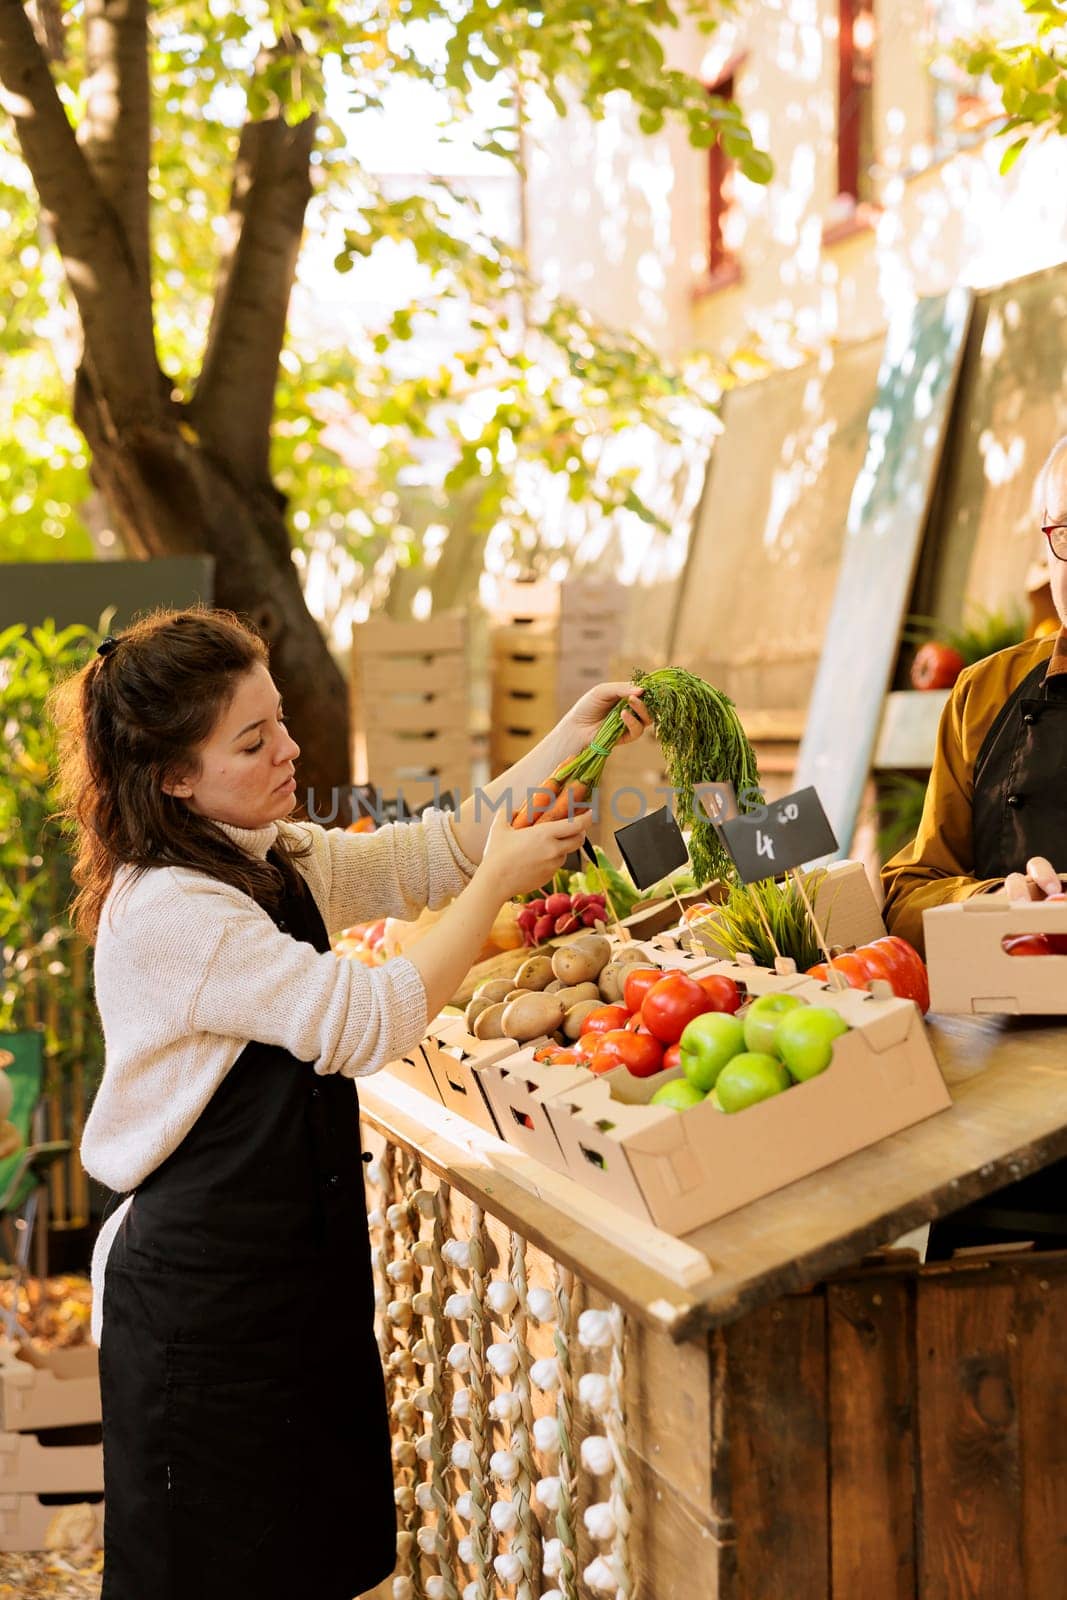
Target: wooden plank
[
  {"x": 383, "y": 676},
  {"x": 872, "y": 1503},
  {"x": 776, "y": 1416},
  {"x": 1040, "y": 1324},
  {"x": 970, "y": 1482},
  {"x": 381, "y": 636},
  {"x": 908, "y": 424}
]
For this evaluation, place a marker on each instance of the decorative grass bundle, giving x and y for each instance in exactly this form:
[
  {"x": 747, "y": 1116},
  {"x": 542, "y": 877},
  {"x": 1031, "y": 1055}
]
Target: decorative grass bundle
[{"x": 741, "y": 929}]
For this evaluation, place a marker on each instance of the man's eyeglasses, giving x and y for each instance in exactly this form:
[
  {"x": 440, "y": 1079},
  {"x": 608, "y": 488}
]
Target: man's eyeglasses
[{"x": 1056, "y": 534}]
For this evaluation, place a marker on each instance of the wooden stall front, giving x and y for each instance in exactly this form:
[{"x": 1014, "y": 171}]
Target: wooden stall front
[{"x": 785, "y": 1413}]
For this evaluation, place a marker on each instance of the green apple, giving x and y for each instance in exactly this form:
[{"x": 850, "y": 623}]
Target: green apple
[
  {"x": 707, "y": 1044},
  {"x": 762, "y": 1017},
  {"x": 805, "y": 1040},
  {"x": 679, "y": 1094},
  {"x": 749, "y": 1078}
]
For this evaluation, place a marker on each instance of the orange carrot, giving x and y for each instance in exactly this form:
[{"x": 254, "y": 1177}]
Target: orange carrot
[
  {"x": 539, "y": 803},
  {"x": 569, "y": 802}
]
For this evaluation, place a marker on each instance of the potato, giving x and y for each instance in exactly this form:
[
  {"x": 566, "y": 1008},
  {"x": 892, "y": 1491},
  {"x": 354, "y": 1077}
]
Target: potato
[
  {"x": 550, "y": 988},
  {"x": 576, "y": 964},
  {"x": 577, "y": 992},
  {"x": 475, "y": 1007},
  {"x": 634, "y": 953},
  {"x": 598, "y": 943},
  {"x": 572, "y": 1022},
  {"x": 494, "y": 989},
  {"x": 513, "y": 994},
  {"x": 531, "y": 1015},
  {"x": 610, "y": 983},
  {"x": 535, "y": 973},
  {"x": 489, "y": 1024}
]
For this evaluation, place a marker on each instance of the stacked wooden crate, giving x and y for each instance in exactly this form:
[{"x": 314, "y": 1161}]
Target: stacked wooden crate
[
  {"x": 410, "y": 704},
  {"x": 549, "y": 643},
  {"x": 50, "y": 1441}
]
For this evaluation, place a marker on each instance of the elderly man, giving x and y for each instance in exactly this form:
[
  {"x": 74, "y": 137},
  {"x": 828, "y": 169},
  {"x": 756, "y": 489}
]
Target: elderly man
[{"x": 996, "y": 817}]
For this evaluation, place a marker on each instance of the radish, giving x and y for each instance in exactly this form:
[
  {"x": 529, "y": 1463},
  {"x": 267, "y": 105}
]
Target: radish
[
  {"x": 592, "y": 915},
  {"x": 543, "y": 929},
  {"x": 536, "y": 906},
  {"x": 567, "y": 923},
  {"x": 526, "y": 918},
  {"x": 557, "y": 905}
]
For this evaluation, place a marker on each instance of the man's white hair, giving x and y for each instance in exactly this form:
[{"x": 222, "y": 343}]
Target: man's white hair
[{"x": 1059, "y": 450}]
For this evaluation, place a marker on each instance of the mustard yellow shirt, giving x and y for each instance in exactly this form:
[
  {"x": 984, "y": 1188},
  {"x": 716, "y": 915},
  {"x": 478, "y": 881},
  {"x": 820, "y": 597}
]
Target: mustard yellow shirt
[{"x": 938, "y": 866}]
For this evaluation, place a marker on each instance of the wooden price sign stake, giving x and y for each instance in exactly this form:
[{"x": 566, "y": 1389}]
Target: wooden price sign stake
[{"x": 777, "y": 839}]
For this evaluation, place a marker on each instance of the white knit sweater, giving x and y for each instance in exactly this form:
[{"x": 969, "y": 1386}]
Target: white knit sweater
[{"x": 188, "y": 970}]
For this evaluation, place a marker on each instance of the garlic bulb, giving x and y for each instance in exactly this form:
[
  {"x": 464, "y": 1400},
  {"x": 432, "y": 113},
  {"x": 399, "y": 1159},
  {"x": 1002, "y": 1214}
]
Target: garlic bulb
[
  {"x": 461, "y": 1404},
  {"x": 424, "y": 1496},
  {"x": 541, "y": 1304},
  {"x": 600, "y": 1521},
  {"x": 504, "y": 1464},
  {"x": 457, "y": 1252},
  {"x": 508, "y": 1567},
  {"x": 547, "y": 1492},
  {"x": 458, "y": 1307},
  {"x": 505, "y": 1407},
  {"x": 546, "y": 1435},
  {"x": 501, "y": 1297},
  {"x": 462, "y": 1454},
  {"x": 594, "y": 1330},
  {"x": 502, "y": 1358},
  {"x": 464, "y": 1506},
  {"x": 503, "y": 1516},
  {"x": 552, "y": 1558},
  {"x": 600, "y": 1576},
  {"x": 596, "y": 1454},
  {"x": 545, "y": 1373},
  {"x": 594, "y": 1391},
  {"x": 459, "y": 1358}
]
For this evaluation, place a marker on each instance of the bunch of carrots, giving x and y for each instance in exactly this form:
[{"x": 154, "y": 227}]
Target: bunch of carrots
[{"x": 702, "y": 740}]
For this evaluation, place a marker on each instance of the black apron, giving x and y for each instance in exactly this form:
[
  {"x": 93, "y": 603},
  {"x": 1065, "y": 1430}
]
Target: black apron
[
  {"x": 246, "y": 1437},
  {"x": 1019, "y": 811}
]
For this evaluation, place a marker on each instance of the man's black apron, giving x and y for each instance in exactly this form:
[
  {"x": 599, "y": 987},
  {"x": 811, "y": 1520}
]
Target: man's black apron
[
  {"x": 246, "y": 1438},
  {"x": 1019, "y": 811}
]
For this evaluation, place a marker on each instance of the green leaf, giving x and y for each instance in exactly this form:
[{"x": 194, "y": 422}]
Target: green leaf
[{"x": 1012, "y": 154}]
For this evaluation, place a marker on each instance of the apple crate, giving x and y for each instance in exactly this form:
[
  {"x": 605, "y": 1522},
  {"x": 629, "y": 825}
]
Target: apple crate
[
  {"x": 682, "y": 1170},
  {"x": 45, "y": 1463},
  {"x": 26, "y": 1522},
  {"x": 48, "y": 1388},
  {"x": 971, "y": 972},
  {"x": 410, "y": 693}
]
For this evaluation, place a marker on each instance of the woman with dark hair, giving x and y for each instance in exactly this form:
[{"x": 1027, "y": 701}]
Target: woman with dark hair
[{"x": 246, "y": 1441}]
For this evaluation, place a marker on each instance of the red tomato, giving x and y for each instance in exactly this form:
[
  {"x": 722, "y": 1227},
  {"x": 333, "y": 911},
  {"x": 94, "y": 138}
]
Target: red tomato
[
  {"x": 639, "y": 1053},
  {"x": 936, "y": 666},
  {"x": 672, "y": 1057},
  {"x": 914, "y": 983},
  {"x": 1027, "y": 944},
  {"x": 635, "y": 1024},
  {"x": 671, "y": 1004},
  {"x": 603, "y": 1019},
  {"x": 639, "y": 981},
  {"x": 852, "y": 970},
  {"x": 698, "y": 911},
  {"x": 722, "y": 992},
  {"x": 819, "y": 971}
]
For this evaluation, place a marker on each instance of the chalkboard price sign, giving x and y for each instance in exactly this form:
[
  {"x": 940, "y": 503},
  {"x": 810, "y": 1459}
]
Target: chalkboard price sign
[
  {"x": 768, "y": 842},
  {"x": 652, "y": 847}
]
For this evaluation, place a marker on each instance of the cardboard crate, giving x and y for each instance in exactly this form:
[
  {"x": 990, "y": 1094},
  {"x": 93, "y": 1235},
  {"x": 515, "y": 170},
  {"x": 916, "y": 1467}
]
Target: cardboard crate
[
  {"x": 971, "y": 972},
  {"x": 516, "y": 1087},
  {"x": 48, "y": 1388},
  {"x": 682, "y": 1170},
  {"x": 413, "y": 1069},
  {"x": 454, "y": 1055},
  {"x": 32, "y": 1464},
  {"x": 25, "y": 1522}
]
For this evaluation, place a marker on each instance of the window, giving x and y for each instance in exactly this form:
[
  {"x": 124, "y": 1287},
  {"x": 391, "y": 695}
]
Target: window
[
  {"x": 855, "y": 99},
  {"x": 723, "y": 265}
]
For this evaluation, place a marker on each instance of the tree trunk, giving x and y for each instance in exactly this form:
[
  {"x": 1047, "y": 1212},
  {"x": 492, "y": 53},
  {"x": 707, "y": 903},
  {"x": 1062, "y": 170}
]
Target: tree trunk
[{"x": 169, "y": 496}]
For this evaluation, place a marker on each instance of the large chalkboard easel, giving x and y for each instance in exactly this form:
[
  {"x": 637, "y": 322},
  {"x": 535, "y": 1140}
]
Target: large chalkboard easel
[{"x": 887, "y": 515}]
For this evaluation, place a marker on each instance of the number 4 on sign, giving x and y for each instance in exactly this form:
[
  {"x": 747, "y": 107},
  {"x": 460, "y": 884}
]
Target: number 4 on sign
[{"x": 764, "y": 845}]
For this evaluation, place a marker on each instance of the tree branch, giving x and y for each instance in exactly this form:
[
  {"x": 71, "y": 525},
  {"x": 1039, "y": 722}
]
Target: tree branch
[
  {"x": 234, "y": 401},
  {"x": 115, "y": 307},
  {"x": 115, "y": 132}
]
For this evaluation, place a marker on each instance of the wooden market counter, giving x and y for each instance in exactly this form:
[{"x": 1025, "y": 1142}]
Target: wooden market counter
[{"x": 805, "y": 1421}]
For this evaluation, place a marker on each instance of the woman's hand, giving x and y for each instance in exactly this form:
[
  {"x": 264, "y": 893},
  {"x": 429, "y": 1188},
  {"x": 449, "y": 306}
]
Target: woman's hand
[
  {"x": 518, "y": 860},
  {"x": 1039, "y": 880},
  {"x": 585, "y": 716}
]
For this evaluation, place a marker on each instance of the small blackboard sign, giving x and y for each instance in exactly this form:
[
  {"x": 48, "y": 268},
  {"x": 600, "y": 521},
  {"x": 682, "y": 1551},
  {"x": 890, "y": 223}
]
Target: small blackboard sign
[
  {"x": 652, "y": 847},
  {"x": 718, "y": 801},
  {"x": 785, "y": 834}
]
